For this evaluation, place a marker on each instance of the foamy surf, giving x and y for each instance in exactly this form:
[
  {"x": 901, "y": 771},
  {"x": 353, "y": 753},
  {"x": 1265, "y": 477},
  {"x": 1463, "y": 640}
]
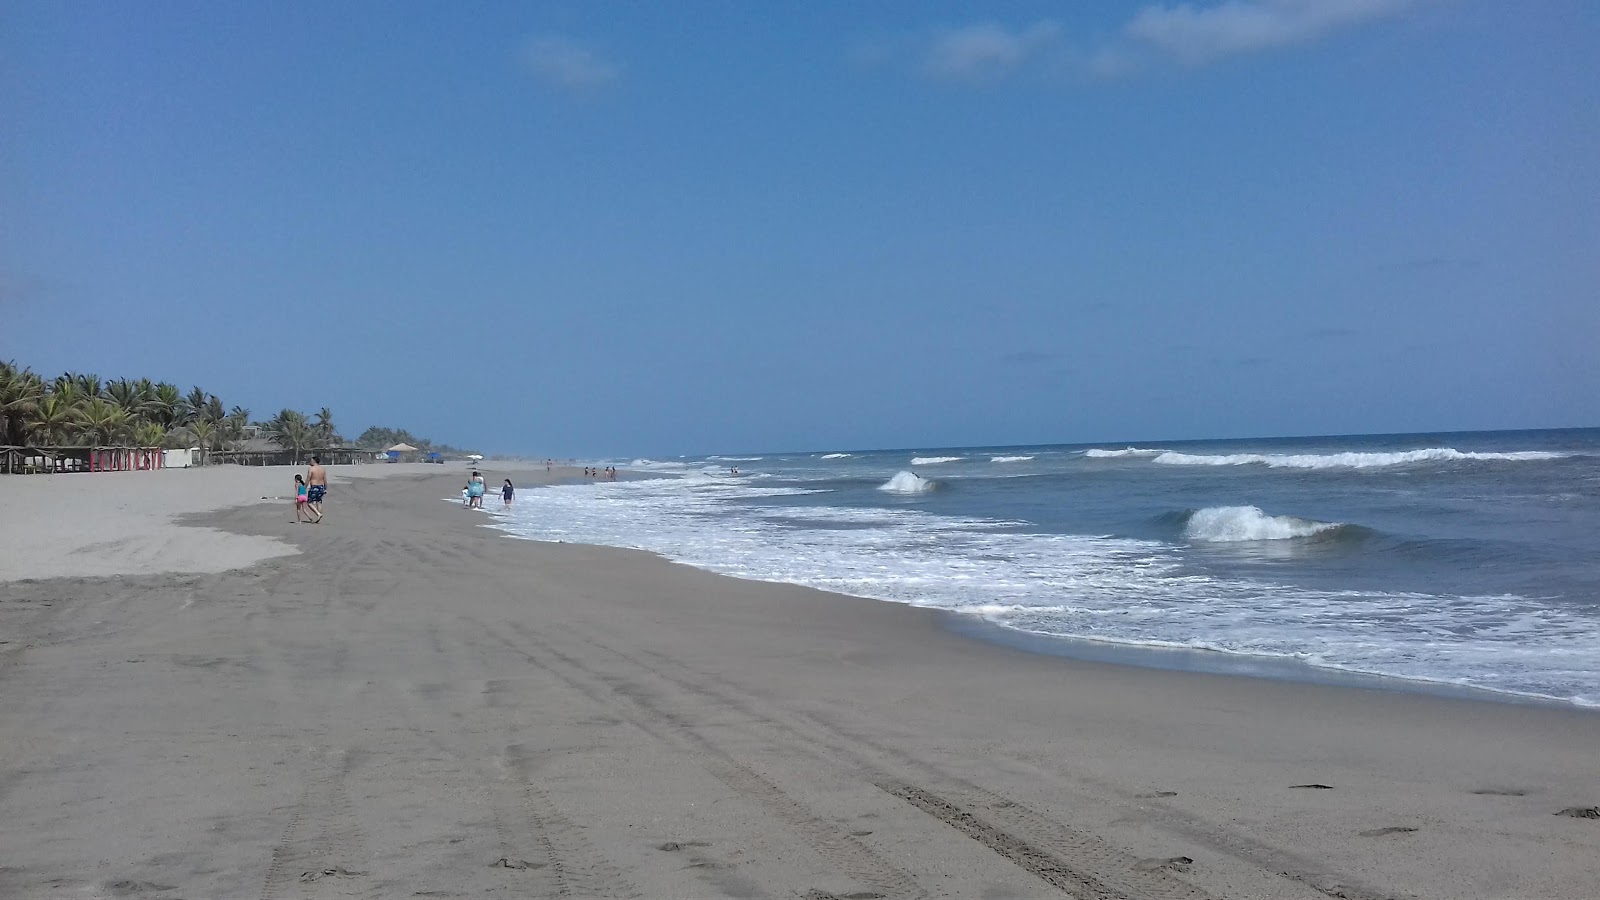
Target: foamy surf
[
  {"x": 907, "y": 483},
  {"x": 935, "y": 460},
  {"x": 835, "y": 456},
  {"x": 1097, "y": 453},
  {"x": 1347, "y": 460},
  {"x": 1223, "y": 524},
  {"x": 1009, "y": 459}
]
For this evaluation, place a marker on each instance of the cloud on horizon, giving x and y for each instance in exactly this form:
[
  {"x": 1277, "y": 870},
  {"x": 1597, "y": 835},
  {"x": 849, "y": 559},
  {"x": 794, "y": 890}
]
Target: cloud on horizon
[
  {"x": 566, "y": 63},
  {"x": 1183, "y": 33}
]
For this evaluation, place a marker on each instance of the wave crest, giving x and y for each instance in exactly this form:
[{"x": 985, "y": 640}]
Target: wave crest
[
  {"x": 934, "y": 460},
  {"x": 908, "y": 483},
  {"x": 1226, "y": 524},
  {"x": 999, "y": 459},
  {"x": 1346, "y": 460},
  {"x": 1128, "y": 451},
  {"x": 834, "y": 455}
]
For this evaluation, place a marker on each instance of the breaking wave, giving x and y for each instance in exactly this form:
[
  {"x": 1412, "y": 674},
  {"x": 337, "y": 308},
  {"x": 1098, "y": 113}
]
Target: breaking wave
[
  {"x": 834, "y": 455},
  {"x": 1248, "y": 523},
  {"x": 997, "y": 459},
  {"x": 1113, "y": 454},
  {"x": 1345, "y": 460},
  {"x": 935, "y": 460},
  {"x": 908, "y": 483}
]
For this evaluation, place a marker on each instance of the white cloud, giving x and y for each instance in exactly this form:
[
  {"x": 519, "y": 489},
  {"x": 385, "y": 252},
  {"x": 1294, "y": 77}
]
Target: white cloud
[
  {"x": 1197, "y": 35},
  {"x": 566, "y": 63},
  {"x": 987, "y": 51}
]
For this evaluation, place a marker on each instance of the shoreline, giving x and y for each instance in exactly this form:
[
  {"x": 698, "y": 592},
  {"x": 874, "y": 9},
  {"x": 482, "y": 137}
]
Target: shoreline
[
  {"x": 1194, "y": 660},
  {"x": 409, "y": 705}
]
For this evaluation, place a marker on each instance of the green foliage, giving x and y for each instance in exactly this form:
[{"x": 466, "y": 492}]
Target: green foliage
[
  {"x": 80, "y": 409},
  {"x": 376, "y": 438}
]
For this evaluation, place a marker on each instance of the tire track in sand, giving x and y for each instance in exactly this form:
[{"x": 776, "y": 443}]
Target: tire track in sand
[
  {"x": 840, "y": 850},
  {"x": 1068, "y": 859}
]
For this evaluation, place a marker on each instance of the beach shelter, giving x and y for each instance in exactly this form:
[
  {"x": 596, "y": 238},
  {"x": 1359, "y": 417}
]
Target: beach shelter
[{"x": 398, "y": 449}]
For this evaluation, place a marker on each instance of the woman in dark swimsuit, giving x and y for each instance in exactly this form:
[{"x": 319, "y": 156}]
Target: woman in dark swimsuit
[{"x": 507, "y": 491}]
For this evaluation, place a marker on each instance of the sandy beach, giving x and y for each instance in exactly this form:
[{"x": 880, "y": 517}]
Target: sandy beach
[{"x": 199, "y": 698}]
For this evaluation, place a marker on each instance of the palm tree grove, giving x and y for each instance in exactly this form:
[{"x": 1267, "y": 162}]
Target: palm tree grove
[{"x": 81, "y": 411}]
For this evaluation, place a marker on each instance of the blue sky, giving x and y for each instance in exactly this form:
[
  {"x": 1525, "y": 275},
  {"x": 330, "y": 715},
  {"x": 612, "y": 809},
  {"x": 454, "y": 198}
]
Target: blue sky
[{"x": 579, "y": 228}]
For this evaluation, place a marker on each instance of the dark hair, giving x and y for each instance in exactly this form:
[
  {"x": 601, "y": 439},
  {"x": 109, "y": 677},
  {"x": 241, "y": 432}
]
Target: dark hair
[
  {"x": 298, "y": 479},
  {"x": 508, "y": 481},
  {"x": 317, "y": 460}
]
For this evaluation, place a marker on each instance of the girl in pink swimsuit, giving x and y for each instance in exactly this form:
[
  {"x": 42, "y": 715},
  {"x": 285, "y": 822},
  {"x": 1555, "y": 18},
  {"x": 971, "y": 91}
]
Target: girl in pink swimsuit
[{"x": 300, "y": 499}]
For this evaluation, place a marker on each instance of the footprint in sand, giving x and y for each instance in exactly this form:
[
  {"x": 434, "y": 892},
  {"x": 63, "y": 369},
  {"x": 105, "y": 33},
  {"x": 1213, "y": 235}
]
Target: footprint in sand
[
  {"x": 335, "y": 872},
  {"x": 1392, "y": 829},
  {"x": 1581, "y": 812},
  {"x": 507, "y": 863},
  {"x": 1155, "y": 795},
  {"x": 1171, "y": 863},
  {"x": 1500, "y": 792},
  {"x": 1314, "y": 787}
]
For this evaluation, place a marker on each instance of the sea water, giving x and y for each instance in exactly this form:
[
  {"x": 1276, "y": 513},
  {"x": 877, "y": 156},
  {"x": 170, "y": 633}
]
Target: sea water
[{"x": 1470, "y": 559}]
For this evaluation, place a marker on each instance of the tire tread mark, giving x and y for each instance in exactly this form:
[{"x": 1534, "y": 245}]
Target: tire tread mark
[
  {"x": 576, "y": 869},
  {"x": 843, "y": 851},
  {"x": 1053, "y": 842}
]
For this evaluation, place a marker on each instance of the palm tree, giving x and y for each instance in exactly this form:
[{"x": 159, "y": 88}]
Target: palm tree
[
  {"x": 149, "y": 434},
  {"x": 167, "y": 405},
  {"x": 54, "y": 417},
  {"x": 323, "y": 427},
  {"x": 204, "y": 435},
  {"x": 126, "y": 395},
  {"x": 20, "y": 393},
  {"x": 290, "y": 430},
  {"x": 89, "y": 384},
  {"x": 102, "y": 421},
  {"x": 212, "y": 411},
  {"x": 193, "y": 403}
]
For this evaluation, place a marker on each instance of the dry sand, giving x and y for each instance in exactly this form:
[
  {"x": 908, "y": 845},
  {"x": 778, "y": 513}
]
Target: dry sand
[{"x": 415, "y": 706}]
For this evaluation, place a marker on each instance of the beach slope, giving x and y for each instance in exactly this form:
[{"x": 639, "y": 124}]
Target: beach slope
[{"x": 412, "y": 705}]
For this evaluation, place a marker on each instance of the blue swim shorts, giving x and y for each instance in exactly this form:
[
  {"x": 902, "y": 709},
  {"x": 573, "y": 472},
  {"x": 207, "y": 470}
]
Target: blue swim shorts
[{"x": 316, "y": 493}]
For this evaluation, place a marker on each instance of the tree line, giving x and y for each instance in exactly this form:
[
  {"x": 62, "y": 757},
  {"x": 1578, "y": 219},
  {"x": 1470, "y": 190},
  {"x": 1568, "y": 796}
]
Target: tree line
[{"x": 81, "y": 410}]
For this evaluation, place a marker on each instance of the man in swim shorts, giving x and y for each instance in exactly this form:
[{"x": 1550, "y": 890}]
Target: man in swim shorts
[{"x": 317, "y": 488}]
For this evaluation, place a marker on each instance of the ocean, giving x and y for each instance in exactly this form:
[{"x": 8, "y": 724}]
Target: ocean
[{"x": 1465, "y": 559}]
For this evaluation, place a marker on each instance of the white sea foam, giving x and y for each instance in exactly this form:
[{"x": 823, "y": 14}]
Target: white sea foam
[
  {"x": 1249, "y": 523},
  {"x": 834, "y": 455},
  {"x": 1117, "y": 454},
  {"x": 907, "y": 483},
  {"x": 1346, "y": 460},
  {"x": 1118, "y": 590},
  {"x": 737, "y": 458},
  {"x": 1006, "y": 459},
  {"x": 935, "y": 460}
]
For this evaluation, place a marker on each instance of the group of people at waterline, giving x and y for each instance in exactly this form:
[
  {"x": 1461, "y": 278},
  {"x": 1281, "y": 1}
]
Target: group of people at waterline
[
  {"x": 309, "y": 491},
  {"x": 472, "y": 494}
]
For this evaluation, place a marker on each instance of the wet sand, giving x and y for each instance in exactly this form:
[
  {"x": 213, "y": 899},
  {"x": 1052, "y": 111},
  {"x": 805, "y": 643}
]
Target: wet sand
[{"x": 411, "y": 705}]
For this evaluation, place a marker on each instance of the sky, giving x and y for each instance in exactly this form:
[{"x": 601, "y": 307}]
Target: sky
[{"x": 587, "y": 229}]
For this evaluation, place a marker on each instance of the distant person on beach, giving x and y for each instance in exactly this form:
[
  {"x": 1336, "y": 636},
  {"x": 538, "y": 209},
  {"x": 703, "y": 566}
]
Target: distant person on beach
[
  {"x": 317, "y": 479},
  {"x": 475, "y": 490},
  {"x": 300, "y": 499},
  {"x": 466, "y": 495},
  {"x": 506, "y": 491}
]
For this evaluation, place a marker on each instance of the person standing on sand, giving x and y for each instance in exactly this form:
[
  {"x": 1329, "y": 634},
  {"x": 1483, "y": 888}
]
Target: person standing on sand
[
  {"x": 300, "y": 499},
  {"x": 475, "y": 490},
  {"x": 506, "y": 491},
  {"x": 317, "y": 481}
]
